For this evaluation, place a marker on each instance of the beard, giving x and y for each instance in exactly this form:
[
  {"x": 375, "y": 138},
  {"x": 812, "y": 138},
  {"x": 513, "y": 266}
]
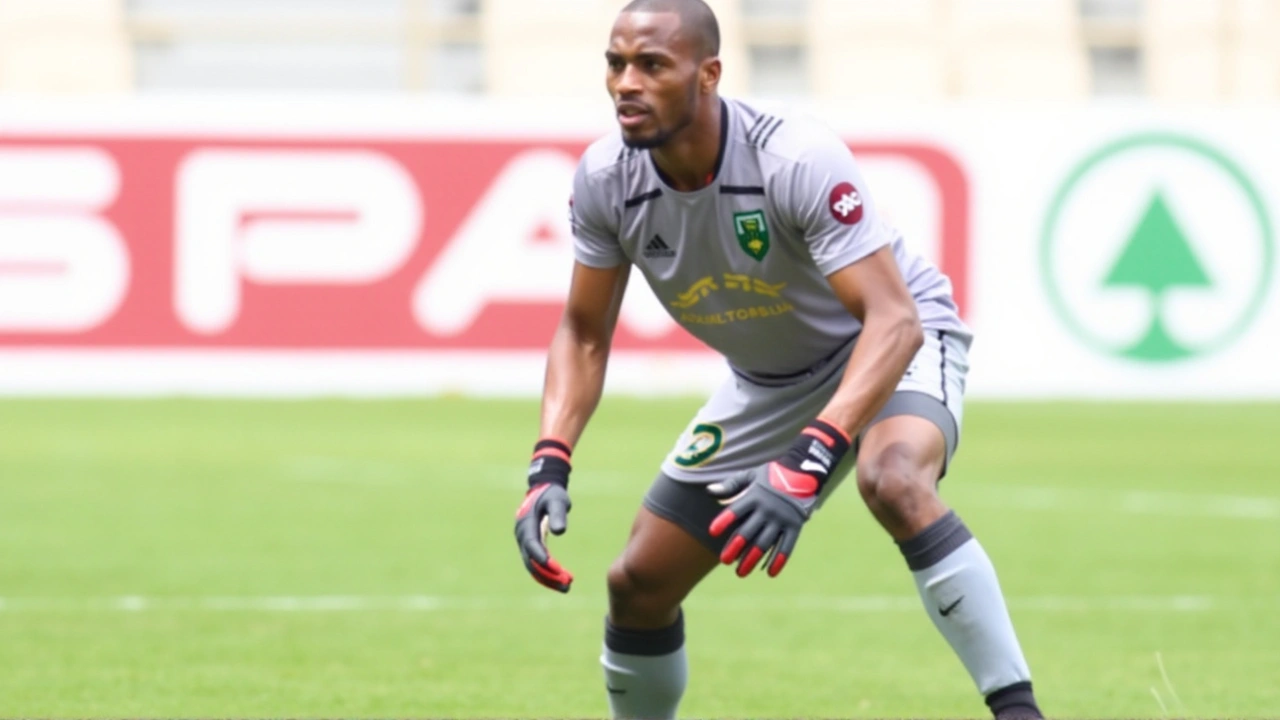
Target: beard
[
  {"x": 661, "y": 137},
  {"x": 656, "y": 140}
]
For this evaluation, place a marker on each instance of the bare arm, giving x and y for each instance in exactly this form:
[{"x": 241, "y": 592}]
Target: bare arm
[
  {"x": 874, "y": 292},
  {"x": 782, "y": 494},
  {"x": 579, "y": 351}
]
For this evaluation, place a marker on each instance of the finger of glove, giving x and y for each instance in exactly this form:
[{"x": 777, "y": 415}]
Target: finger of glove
[
  {"x": 551, "y": 570},
  {"x": 786, "y": 546},
  {"x": 728, "y": 490},
  {"x": 722, "y": 522},
  {"x": 763, "y": 543},
  {"x": 558, "y": 513},
  {"x": 559, "y": 587},
  {"x": 550, "y": 575},
  {"x": 739, "y": 510},
  {"x": 743, "y": 537},
  {"x": 769, "y": 558},
  {"x": 529, "y": 539},
  {"x": 732, "y": 549}
]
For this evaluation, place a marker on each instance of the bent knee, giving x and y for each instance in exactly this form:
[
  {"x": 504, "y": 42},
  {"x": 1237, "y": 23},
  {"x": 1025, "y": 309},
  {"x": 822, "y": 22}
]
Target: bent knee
[
  {"x": 638, "y": 597},
  {"x": 897, "y": 482}
]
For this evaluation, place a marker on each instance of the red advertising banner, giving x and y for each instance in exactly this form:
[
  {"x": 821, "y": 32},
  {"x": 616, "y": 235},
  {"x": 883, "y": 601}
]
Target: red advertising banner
[{"x": 287, "y": 244}]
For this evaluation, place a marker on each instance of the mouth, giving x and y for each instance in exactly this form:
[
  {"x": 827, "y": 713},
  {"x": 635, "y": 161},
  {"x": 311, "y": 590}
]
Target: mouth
[{"x": 632, "y": 115}]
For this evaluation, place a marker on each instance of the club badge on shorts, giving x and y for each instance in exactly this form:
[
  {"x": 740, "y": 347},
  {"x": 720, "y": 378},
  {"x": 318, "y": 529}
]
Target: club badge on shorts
[{"x": 704, "y": 441}]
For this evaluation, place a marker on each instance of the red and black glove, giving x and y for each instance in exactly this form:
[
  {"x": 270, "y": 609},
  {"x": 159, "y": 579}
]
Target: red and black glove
[
  {"x": 545, "y": 507},
  {"x": 772, "y": 502}
]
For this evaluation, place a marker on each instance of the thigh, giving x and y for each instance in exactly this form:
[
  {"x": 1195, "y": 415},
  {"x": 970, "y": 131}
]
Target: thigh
[
  {"x": 687, "y": 506},
  {"x": 663, "y": 561}
]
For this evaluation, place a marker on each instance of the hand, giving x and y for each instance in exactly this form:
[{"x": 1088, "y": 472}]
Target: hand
[
  {"x": 771, "y": 503},
  {"x": 545, "y": 507}
]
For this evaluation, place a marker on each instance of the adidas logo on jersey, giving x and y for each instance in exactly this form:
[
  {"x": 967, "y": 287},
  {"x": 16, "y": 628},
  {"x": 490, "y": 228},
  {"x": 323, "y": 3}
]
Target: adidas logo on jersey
[{"x": 658, "y": 248}]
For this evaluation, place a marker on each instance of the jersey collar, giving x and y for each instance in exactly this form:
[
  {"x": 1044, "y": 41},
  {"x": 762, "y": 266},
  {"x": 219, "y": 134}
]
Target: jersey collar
[{"x": 715, "y": 173}]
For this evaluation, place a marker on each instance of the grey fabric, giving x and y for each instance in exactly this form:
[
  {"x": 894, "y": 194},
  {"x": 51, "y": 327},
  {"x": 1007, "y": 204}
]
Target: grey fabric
[
  {"x": 687, "y": 505},
  {"x": 745, "y": 424},
  {"x": 935, "y": 542},
  {"x": 962, "y": 595},
  {"x": 923, "y": 406},
  {"x": 662, "y": 641},
  {"x": 644, "y": 687},
  {"x": 742, "y": 264}
]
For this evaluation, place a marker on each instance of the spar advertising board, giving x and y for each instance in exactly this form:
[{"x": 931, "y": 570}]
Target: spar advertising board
[{"x": 344, "y": 246}]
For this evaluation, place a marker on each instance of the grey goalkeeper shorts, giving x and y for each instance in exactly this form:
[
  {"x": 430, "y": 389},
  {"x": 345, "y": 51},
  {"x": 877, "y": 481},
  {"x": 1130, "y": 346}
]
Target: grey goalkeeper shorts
[{"x": 746, "y": 423}]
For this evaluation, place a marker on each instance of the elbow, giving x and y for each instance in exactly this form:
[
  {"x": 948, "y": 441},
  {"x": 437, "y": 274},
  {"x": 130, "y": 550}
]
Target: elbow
[
  {"x": 908, "y": 327},
  {"x": 580, "y": 332},
  {"x": 897, "y": 326}
]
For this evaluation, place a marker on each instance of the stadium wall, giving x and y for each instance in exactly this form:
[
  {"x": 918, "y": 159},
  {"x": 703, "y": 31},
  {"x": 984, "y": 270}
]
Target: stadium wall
[{"x": 297, "y": 247}]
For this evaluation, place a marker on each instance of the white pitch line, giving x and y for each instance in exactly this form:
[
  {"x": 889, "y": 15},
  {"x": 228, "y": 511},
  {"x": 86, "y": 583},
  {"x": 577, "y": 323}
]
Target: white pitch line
[{"x": 741, "y": 603}]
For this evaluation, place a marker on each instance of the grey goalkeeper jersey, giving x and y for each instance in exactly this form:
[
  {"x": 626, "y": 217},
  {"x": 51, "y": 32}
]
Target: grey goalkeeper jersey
[{"x": 742, "y": 263}]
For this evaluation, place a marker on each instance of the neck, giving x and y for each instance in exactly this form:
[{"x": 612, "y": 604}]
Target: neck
[{"x": 689, "y": 158}]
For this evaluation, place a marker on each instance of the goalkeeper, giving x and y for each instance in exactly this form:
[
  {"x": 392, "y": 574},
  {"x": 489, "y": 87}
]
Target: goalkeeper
[{"x": 844, "y": 348}]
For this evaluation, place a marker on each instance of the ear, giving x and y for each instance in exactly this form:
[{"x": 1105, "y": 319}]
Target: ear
[{"x": 709, "y": 75}]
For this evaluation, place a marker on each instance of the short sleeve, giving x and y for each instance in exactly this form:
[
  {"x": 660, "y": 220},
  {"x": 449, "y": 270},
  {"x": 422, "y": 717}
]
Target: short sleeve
[
  {"x": 828, "y": 199},
  {"x": 595, "y": 236}
]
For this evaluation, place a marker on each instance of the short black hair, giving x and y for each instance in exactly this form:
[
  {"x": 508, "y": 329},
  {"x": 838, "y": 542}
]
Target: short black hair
[{"x": 696, "y": 18}]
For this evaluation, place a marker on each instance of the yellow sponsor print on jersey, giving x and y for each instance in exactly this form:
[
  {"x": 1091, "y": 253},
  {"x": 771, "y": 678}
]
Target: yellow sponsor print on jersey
[
  {"x": 753, "y": 285},
  {"x": 755, "y": 312},
  {"x": 706, "y": 286},
  {"x": 696, "y": 292}
]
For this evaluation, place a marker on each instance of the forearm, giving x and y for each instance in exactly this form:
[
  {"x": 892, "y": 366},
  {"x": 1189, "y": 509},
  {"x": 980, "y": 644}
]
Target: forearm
[
  {"x": 574, "y": 383},
  {"x": 880, "y": 358}
]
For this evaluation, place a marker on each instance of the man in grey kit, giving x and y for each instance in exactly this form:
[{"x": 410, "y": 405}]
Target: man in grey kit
[{"x": 757, "y": 233}]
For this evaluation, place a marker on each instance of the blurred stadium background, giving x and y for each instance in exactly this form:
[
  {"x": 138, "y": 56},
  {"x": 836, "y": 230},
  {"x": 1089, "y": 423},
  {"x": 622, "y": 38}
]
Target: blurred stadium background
[
  {"x": 1213, "y": 51},
  {"x": 276, "y": 277}
]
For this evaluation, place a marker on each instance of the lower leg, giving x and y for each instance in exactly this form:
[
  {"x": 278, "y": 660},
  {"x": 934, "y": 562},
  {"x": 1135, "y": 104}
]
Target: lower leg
[
  {"x": 645, "y": 671},
  {"x": 644, "y": 660},
  {"x": 900, "y": 462},
  {"x": 961, "y": 592}
]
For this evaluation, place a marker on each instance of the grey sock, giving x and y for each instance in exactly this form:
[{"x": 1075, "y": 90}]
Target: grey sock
[
  {"x": 645, "y": 671},
  {"x": 961, "y": 593}
]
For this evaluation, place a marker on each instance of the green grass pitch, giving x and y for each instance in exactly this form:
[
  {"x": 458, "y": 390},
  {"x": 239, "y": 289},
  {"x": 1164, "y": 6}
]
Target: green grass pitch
[{"x": 200, "y": 558}]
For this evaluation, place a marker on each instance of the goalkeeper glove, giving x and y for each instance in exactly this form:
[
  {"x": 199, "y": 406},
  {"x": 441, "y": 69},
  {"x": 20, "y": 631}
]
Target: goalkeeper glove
[
  {"x": 771, "y": 503},
  {"x": 545, "y": 507}
]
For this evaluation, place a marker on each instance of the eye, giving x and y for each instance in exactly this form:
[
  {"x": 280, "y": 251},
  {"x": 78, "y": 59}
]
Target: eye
[
  {"x": 652, "y": 65},
  {"x": 615, "y": 64}
]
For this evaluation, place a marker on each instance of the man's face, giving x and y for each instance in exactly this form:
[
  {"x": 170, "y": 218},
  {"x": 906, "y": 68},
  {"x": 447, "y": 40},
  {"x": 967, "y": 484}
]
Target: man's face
[{"x": 653, "y": 77}]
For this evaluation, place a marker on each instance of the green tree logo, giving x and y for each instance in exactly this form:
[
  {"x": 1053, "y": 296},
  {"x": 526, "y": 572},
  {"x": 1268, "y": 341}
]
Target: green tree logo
[{"x": 1156, "y": 257}]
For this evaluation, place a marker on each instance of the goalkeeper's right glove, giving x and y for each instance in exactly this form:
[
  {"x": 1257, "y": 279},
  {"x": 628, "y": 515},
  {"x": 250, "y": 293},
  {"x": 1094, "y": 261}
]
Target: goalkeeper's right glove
[
  {"x": 545, "y": 507},
  {"x": 770, "y": 504}
]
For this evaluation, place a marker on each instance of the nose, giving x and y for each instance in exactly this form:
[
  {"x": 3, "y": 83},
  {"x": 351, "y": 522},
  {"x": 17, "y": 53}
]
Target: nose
[{"x": 628, "y": 82}]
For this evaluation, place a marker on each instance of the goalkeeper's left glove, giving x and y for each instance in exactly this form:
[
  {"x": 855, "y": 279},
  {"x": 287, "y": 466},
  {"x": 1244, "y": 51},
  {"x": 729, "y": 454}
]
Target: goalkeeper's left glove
[{"x": 772, "y": 502}]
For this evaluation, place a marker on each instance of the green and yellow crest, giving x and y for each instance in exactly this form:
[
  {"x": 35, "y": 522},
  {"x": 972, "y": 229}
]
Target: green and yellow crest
[
  {"x": 753, "y": 233},
  {"x": 704, "y": 441}
]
